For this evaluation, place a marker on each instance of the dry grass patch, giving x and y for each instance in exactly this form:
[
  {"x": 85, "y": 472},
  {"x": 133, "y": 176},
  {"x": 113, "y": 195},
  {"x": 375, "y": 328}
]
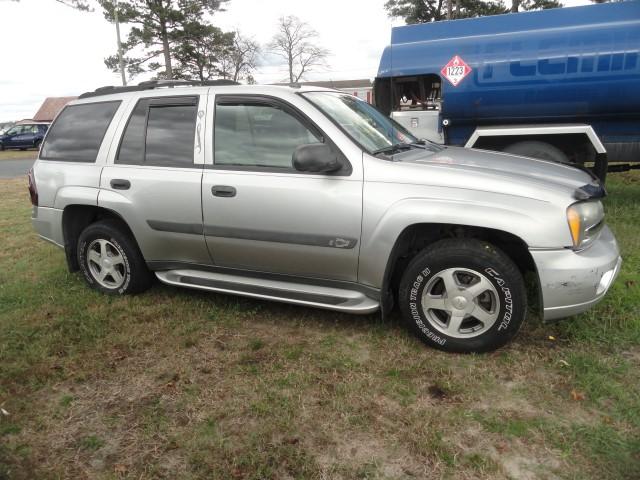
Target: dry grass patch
[{"x": 18, "y": 154}]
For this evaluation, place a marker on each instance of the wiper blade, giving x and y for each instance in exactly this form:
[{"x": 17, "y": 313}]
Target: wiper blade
[{"x": 395, "y": 148}]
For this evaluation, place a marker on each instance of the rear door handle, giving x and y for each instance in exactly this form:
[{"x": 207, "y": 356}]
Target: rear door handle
[
  {"x": 223, "y": 191},
  {"x": 120, "y": 184}
]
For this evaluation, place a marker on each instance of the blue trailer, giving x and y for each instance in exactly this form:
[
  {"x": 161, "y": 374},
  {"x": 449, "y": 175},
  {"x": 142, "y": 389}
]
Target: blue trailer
[{"x": 560, "y": 84}]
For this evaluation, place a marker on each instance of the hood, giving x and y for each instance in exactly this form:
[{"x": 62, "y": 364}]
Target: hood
[{"x": 496, "y": 171}]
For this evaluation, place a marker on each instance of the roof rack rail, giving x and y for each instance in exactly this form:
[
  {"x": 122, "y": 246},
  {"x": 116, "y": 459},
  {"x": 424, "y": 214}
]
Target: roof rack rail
[{"x": 153, "y": 84}]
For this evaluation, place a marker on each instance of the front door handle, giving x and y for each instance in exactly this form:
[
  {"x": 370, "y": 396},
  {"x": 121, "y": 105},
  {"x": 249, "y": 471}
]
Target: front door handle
[
  {"x": 120, "y": 184},
  {"x": 223, "y": 191}
]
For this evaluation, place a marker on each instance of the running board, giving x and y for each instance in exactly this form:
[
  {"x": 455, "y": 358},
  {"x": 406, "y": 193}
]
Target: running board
[{"x": 330, "y": 298}]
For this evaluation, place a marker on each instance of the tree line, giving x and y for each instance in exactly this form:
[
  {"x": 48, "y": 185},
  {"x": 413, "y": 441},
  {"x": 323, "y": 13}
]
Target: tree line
[
  {"x": 174, "y": 39},
  {"x": 423, "y": 11}
]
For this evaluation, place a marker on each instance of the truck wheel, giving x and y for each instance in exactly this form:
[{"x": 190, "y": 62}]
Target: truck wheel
[
  {"x": 535, "y": 149},
  {"x": 110, "y": 260},
  {"x": 463, "y": 295}
]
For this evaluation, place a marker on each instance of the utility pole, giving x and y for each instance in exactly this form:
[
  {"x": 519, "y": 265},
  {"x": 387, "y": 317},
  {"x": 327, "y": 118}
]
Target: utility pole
[
  {"x": 449, "y": 9},
  {"x": 120, "y": 57}
]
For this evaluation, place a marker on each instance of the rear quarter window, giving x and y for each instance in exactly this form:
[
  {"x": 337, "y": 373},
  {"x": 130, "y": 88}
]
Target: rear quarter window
[{"x": 77, "y": 133}]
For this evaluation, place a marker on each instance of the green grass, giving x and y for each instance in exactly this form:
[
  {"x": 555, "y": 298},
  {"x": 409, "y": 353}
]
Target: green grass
[{"x": 180, "y": 384}]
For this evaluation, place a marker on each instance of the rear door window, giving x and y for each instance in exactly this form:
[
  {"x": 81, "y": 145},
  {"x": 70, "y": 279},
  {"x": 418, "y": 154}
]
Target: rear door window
[
  {"x": 160, "y": 132},
  {"x": 77, "y": 133}
]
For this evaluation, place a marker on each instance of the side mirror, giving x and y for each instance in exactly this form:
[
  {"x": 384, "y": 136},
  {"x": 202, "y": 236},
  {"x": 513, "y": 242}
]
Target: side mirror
[{"x": 315, "y": 157}]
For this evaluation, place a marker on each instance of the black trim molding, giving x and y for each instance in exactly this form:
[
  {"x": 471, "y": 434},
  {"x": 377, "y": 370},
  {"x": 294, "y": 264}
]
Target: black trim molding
[
  {"x": 175, "y": 227},
  {"x": 331, "y": 241}
]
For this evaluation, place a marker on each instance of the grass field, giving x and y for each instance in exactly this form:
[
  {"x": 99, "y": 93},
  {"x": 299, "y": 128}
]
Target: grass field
[
  {"x": 17, "y": 154},
  {"x": 180, "y": 384}
]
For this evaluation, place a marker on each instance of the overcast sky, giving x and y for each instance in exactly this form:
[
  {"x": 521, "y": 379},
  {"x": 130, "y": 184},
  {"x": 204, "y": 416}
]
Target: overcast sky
[{"x": 52, "y": 50}]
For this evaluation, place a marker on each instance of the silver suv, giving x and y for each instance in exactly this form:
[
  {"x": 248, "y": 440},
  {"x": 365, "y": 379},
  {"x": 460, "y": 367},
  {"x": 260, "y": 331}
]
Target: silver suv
[{"x": 311, "y": 196}]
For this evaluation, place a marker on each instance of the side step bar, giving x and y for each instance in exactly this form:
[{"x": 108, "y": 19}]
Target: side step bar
[{"x": 330, "y": 298}]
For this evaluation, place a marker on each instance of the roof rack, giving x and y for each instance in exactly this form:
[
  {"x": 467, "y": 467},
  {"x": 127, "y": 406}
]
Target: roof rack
[{"x": 153, "y": 84}]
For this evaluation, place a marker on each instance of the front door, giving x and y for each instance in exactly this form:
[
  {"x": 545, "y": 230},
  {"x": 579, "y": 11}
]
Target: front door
[
  {"x": 154, "y": 180},
  {"x": 262, "y": 215}
]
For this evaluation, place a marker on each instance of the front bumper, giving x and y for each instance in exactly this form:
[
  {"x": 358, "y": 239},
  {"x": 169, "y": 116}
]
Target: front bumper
[{"x": 572, "y": 282}]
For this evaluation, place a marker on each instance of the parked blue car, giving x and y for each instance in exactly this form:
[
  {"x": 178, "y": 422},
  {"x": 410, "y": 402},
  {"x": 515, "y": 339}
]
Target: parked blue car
[{"x": 23, "y": 136}]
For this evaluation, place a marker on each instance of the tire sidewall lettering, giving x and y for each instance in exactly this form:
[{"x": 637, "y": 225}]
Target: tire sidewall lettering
[
  {"x": 414, "y": 307},
  {"x": 507, "y": 298}
]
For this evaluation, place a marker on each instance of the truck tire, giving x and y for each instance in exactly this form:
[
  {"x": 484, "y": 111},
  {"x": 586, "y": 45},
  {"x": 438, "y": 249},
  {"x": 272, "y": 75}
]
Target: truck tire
[
  {"x": 463, "y": 295},
  {"x": 110, "y": 260},
  {"x": 536, "y": 149}
]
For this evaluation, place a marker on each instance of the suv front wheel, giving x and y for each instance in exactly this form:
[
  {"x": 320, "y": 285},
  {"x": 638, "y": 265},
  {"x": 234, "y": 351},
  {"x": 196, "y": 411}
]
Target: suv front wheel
[
  {"x": 111, "y": 261},
  {"x": 463, "y": 295}
]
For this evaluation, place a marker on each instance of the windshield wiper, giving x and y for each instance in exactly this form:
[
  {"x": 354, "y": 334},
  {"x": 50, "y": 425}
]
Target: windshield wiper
[{"x": 395, "y": 147}]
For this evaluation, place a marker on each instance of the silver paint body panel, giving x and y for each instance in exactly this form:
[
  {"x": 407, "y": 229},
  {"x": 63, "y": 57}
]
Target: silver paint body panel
[
  {"x": 285, "y": 223},
  {"x": 291, "y": 205},
  {"x": 161, "y": 195},
  {"x": 47, "y": 222},
  {"x": 569, "y": 280}
]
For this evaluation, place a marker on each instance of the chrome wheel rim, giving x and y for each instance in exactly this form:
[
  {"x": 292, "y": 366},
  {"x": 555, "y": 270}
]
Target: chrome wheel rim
[
  {"x": 106, "y": 263},
  {"x": 460, "y": 302}
]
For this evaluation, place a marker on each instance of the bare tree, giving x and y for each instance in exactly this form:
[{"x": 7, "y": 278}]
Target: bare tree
[
  {"x": 241, "y": 59},
  {"x": 295, "y": 42}
]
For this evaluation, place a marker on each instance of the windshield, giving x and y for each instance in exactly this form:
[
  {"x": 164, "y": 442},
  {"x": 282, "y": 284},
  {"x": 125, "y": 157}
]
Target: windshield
[
  {"x": 13, "y": 130},
  {"x": 371, "y": 129}
]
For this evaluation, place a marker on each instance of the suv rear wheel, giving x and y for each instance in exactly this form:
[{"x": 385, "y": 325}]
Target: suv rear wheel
[
  {"x": 463, "y": 295},
  {"x": 111, "y": 261}
]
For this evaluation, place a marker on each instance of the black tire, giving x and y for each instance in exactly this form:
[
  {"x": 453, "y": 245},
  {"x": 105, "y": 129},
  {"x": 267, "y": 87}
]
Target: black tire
[
  {"x": 480, "y": 262},
  {"x": 130, "y": 265},
  {"x": 536, "y": 149},
  {"x": 1, "y": 147},
  {"x": 36, "y": 144}
]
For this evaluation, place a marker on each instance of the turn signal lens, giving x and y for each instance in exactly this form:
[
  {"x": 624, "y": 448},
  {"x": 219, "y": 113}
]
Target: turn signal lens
[{"x": 575, "y": 225}]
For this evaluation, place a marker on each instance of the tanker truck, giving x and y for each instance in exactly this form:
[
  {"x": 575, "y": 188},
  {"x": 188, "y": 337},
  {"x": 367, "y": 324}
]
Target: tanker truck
[{"x": 560, "y": 84}]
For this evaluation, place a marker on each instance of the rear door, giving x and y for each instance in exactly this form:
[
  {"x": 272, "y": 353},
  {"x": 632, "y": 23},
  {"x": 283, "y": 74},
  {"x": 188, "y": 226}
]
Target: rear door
[
  {"x": 28, "y": 136},
  {"x": 154, "y": 179}
]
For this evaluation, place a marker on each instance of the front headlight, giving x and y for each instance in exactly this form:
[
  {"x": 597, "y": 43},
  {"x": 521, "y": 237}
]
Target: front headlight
[{"x": 586, "y": 219}]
